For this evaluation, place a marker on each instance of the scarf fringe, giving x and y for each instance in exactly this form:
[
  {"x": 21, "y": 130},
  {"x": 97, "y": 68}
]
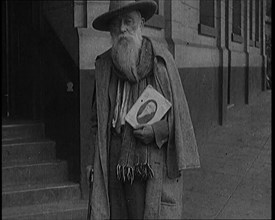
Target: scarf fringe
[
  {"x": 144, "y": 171},
  {"x": 124, "y": 173}
]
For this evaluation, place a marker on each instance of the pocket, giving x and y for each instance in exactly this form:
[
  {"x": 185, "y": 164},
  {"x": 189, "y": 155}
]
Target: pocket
[
  {"x": 171, "y": 200},
  {"x": 170, "y": 211},
  {"x": 172, "y": 190},
  {"x": 167, "y": 199}
]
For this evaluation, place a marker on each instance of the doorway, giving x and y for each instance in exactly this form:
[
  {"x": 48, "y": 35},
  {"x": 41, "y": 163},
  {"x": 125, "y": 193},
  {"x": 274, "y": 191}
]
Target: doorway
[{"x": 20, "y": 58}]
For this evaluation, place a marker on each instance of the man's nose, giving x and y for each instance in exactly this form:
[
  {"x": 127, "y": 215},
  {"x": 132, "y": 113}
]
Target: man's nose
[{"x": 123, "y": 27}]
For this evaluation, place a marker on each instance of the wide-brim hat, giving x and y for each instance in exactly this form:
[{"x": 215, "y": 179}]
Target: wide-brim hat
[{"x": 147, "y": 9}]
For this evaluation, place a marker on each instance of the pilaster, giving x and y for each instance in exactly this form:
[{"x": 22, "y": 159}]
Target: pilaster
[
  {"x": 246, "y": 48},
  {"x": 223, "y": 66}
]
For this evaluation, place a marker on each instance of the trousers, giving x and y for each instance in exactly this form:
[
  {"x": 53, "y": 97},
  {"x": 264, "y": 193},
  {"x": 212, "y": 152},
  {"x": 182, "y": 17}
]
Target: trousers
[{"x": 127, "y": 201}]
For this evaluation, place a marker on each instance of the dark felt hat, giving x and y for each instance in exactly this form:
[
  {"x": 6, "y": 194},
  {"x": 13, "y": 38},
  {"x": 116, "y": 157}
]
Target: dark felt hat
[{"x": 147, "y": 8}]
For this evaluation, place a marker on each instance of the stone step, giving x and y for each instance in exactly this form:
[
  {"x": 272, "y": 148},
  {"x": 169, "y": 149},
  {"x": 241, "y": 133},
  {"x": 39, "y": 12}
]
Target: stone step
[
  {"x": 43, "y": 172},
  {"x": 64, "y": 210},
  {"x": 27, "y": 150},
  {"x": 39, "y": 194},
  {"x": 22, "y": 130}
]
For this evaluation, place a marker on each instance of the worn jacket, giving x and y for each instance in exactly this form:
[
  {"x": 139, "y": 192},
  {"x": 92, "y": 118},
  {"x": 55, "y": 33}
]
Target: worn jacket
[{"x": 164, "y": 191}]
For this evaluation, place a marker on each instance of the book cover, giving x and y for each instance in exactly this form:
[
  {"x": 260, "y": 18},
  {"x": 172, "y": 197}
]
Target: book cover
[{"x": 149, "y": 108}]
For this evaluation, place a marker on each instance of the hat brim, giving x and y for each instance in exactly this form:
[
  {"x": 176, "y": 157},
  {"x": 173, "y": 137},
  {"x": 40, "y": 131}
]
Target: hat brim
[{"x": 146, "y": 8}]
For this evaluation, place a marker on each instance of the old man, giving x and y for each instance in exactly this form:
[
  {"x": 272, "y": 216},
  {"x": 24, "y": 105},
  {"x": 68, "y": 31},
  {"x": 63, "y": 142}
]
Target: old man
[{"x": 138, "y": 172}]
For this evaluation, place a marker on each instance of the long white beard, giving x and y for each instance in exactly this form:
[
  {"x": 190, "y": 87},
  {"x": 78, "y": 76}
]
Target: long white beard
[{"x": 125, "y": 52}]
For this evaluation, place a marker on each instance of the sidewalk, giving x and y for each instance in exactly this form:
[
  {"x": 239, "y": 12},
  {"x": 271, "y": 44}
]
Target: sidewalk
[{"x": 234, "y": 181}]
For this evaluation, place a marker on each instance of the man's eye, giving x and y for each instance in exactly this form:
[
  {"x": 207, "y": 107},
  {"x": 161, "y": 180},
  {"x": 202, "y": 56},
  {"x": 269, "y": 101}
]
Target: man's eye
[{"x": 128, "y": 21}]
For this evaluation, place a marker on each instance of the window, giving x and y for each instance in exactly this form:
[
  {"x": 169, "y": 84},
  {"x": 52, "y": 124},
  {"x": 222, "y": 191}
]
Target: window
[
  {"x": 237, "y": 21},
  {"x": 257, "y": 22},
  {"x": 157, "y": 21},
  {"x": 251, "y": 22},
  {"x": 207, "y": 13},
  {"x": 207, "y": 18}
]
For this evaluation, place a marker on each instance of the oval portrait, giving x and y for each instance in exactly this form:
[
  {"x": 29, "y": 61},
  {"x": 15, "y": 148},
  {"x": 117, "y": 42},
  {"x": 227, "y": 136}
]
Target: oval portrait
[{"x": 147, "y": 111}]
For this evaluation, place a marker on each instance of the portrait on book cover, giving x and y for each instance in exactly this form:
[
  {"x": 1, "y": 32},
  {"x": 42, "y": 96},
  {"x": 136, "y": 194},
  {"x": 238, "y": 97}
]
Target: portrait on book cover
[
  {"x": 149, "y": 108},
  {"x": 147, "y": 111}
]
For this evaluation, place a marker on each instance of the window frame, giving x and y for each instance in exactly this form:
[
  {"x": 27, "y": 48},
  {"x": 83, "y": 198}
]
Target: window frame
[
  {"x": 236, "y": 37},
  {"x": 206, "y": 30},
  {"x": 257, "y": 23},
  {"x": 251, "y": 3},
  {"x": 157, "y": 21}
]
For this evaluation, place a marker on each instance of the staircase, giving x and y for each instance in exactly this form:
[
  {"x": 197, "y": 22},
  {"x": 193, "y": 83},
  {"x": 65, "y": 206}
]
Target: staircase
[{"x": 35, "y": 183}]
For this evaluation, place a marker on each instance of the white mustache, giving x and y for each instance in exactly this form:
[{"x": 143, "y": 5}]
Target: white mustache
[
  {"x": 122, "y": 37},
  {"x": 129, "y": 37}
]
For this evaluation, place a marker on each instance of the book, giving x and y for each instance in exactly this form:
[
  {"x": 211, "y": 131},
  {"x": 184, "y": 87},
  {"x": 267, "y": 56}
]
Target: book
[{"x": 149, "y": 108}]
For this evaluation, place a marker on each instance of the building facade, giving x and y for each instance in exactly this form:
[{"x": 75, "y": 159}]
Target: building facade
[{"x": 218, "y": 46}]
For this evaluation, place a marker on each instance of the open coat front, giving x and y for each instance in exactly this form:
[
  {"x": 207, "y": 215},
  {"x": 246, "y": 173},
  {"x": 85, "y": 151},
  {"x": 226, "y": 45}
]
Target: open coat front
[{"x": 164, "y": 190}]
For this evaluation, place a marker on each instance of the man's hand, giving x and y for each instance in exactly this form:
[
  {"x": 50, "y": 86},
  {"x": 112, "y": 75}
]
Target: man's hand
[{"x": 145, "y": 134}]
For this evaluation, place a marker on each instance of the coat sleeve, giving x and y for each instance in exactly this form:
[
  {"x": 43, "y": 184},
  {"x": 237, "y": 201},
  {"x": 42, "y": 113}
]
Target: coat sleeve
[
  {"x": 93, "y": 124},
  {"x": 161, "y": 132},
  {"x": 161, "y": 128}
]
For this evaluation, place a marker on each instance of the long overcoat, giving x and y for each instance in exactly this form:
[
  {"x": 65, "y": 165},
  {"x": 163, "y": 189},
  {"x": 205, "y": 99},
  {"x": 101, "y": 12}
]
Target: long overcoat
[{"x": 165, "y": 190}]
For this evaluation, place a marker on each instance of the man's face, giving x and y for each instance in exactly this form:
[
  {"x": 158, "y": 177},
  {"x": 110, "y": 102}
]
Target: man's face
[
  {"x": 127, "y": 40},
  {"x": 127, "y": 24}
]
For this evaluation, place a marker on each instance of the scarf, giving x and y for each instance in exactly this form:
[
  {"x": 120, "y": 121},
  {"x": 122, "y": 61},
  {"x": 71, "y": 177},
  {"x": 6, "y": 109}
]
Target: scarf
[{"x": 134, "y": 155}]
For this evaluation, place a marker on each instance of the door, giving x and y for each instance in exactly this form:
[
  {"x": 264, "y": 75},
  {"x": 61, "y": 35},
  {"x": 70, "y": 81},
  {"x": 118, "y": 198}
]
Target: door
[
  {"x": 5, "y": 54},
  {"x": 20, "y": 56}
]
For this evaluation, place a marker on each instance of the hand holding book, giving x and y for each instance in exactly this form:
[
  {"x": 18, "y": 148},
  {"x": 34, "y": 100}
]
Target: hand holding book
[{"x": 145, "y": 133}]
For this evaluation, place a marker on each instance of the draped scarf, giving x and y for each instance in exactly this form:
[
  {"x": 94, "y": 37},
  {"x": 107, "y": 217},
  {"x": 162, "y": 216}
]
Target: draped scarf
[{"x": 134, "y": 155}]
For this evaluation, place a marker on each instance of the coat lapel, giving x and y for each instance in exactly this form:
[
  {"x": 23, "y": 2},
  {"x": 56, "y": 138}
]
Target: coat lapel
[
  {"x": 103, "y": 74},
  {"x": 112, "y": 93}
]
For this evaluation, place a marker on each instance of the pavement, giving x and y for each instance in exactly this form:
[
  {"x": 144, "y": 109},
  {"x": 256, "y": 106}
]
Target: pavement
[{"x": 234, "y": 181}]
